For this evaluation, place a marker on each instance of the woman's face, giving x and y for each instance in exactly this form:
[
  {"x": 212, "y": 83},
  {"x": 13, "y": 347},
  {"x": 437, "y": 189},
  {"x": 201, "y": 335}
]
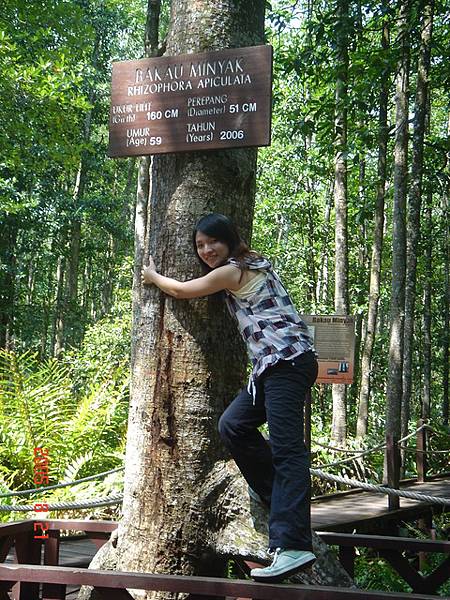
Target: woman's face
[{"x": 211, "y": 251}]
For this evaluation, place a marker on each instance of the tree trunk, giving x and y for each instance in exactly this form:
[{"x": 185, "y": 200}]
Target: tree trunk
[
  {"x": 377, "y": 247},
  {"x": 359, "y": 297},
  {"x": 322, "y": 284},
  {"x": 56, "y": 341},
  {"x": 185, "y": 507},
  {"x": 394, "y": 384},
  {"x": 339, "y": 424},
  {"x": 8, "y": 238},
  {"x": 414, "y": 204},
  {"x": 428, "y": 278},
  {"x": 446, "y": 307},
  {"x": 31, "y": 280}
]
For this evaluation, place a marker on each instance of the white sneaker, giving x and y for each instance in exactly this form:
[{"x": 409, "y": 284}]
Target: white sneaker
[{"x": 285, "y": 564}]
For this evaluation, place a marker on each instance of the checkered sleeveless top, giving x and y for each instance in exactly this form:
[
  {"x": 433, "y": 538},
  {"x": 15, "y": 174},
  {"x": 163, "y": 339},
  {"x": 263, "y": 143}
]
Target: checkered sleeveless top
[{"x": 268, "y": 322}]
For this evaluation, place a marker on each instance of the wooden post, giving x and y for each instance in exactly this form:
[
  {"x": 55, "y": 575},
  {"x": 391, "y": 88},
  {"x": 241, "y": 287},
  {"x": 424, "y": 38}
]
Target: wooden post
[
  {"x": 52, "y": 591},
  {"x": 28, "y": 551},
  {"x": 347, "y": 556},
  {"x": 307, "y": 425},
  {"x": 421, "y": 457},
  {"x": 392, "y": 469}
]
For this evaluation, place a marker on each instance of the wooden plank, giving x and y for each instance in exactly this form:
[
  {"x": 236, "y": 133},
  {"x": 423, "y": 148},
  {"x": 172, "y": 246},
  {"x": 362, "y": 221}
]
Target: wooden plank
[
  {"x": 79, "y": 525},
  {"x": 210, "y": 586},
  {"x": 16, "y": 527},
  {"x": 404, "y": 483},
  {"x": 77, "y": 552},
  {"x": 365, "y": 511},
  {"x": 385, "y": 542}
]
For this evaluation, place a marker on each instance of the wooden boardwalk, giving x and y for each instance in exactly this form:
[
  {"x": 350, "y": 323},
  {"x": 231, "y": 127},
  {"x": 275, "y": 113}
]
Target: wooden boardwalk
[
  {"x": 366, "y": 512},
  {"x": 351, "y": 511}
]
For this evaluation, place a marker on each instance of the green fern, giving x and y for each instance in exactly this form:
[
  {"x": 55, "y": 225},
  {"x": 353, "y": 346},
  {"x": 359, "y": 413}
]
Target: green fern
[{"x": 84, "y": 434}]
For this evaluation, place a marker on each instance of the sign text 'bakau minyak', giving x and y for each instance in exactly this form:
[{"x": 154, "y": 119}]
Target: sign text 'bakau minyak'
[{"x": 191, "y": 102}]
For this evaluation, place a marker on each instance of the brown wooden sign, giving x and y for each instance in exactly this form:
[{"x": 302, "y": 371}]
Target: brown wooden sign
[
  {"x": 189, "y": 102},
  {"x": 334, "y": 341}
]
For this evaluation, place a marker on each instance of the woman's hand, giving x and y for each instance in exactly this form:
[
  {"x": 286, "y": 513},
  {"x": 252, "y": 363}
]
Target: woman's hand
[{"x": 148, "y": 271}]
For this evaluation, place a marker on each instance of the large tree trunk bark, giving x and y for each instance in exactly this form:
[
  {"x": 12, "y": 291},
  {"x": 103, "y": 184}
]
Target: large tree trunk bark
[
  {"x": 173, "y": 480},
  {"x": 339, "y": 424},
  {"x": 414, "y": 204},
  {"x": 377, "y": 247},
  {"x": 394, "y": 385},
  {"x": 186, "y": 509}
]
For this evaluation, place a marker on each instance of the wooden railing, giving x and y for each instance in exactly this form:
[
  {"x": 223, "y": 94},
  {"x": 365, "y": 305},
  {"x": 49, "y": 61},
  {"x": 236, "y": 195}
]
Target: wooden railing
[
  {"x": 23, "y": 579},
  {"x": 391, "y": 549},
  {"x": 112, "y": 585},
  {"x": 392, "y": 454}
]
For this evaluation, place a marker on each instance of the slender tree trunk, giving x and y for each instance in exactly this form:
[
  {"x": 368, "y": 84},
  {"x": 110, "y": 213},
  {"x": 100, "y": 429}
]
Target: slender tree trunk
[
  {"x": 341, "y": 305},
  {"x": 427, "y": 294},
  {"x": 362, "y": 271},
  {"x": 377, "y": 246},
  {"x": 31, "y": 280},
  {"x": 322, "y": 284},
  {"x": 311, "y": 257},
  {"x": 394, "y": 384},
  {"x": 8, "y": 239},
  {"x": 106, "y": 299},
  {"x": 46, "y": 308},
  {"x": 446, "y": 307},
  {"x": 414, "y": 204},
  {"x": 75, "y": 236},
  {"x": 56, "y": 341}
]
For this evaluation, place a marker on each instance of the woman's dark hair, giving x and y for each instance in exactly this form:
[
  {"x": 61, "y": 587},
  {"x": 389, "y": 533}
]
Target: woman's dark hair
[{"x": 223, "y": 229}]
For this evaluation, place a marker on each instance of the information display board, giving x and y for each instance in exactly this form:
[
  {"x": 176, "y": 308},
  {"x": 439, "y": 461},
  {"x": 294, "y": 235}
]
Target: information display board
[
  {"x": 334, "y": 341},
  {"x": 189, "y": 102}
]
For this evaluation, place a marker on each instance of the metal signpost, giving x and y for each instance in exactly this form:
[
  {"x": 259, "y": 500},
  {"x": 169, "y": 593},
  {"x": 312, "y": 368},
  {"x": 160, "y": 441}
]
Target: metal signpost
[{"x": 206, "y": 101}]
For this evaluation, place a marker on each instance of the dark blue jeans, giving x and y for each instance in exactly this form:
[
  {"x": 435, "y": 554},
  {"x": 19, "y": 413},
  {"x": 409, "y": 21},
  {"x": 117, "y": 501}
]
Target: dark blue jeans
[{"x": 278, "y": 472}]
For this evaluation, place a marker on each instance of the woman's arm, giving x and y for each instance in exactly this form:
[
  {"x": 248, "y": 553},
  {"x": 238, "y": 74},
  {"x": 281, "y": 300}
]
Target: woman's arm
[{"x": 220, "y": 278}]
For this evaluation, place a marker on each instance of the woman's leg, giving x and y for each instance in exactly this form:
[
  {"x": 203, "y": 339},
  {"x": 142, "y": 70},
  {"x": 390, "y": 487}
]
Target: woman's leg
[
  {"x": 238, "y": 428},
  {"x": 285, "y": 387}
]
